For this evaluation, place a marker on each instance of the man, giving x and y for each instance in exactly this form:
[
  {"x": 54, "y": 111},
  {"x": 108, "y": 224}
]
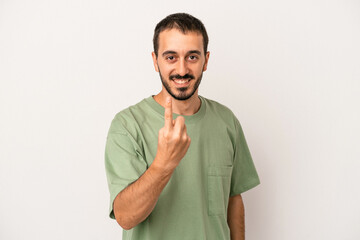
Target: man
[{"x": 177, "y": 162}]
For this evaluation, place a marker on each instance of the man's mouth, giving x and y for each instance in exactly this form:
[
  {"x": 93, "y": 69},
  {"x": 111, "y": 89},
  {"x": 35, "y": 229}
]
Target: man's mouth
[{"x": 181, "y": 81}]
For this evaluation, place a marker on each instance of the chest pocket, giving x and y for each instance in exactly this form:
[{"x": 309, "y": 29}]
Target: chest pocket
[{"x": 219, "y": 181}]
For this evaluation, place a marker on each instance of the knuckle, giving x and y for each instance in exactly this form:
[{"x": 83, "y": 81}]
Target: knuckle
[
  {"x": 166, "y": 134},
  {"x": 177, "y": 137},
  {"x": 185, "y": 138}
]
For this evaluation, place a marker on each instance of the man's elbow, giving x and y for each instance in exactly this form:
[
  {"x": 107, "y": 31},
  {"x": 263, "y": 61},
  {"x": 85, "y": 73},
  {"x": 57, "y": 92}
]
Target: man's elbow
[{"x": 124, "y": 222}]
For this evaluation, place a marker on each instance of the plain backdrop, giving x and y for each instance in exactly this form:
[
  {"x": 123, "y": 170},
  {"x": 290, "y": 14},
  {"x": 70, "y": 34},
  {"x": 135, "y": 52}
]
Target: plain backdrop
[{"x": 289, "y": 70}]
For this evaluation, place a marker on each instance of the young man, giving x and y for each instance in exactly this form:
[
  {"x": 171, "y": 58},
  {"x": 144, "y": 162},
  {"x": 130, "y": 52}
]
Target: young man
[{"x": 177, "y": 162}]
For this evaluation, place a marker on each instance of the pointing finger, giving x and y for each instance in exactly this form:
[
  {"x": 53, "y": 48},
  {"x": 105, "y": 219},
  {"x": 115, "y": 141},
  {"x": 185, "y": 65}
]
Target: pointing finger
[{"x": 168, "y": 113}]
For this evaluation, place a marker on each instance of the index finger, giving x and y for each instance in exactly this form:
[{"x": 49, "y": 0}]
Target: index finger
[{"x": 168, "y": 113}]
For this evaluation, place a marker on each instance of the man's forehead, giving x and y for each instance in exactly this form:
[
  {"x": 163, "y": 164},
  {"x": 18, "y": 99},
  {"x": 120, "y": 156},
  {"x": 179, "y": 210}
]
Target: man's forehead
[{"x": 174, "y": 38}]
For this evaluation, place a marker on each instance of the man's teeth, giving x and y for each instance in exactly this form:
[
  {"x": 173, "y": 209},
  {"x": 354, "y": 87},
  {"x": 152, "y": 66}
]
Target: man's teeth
[{"x": 181, "y": 81}]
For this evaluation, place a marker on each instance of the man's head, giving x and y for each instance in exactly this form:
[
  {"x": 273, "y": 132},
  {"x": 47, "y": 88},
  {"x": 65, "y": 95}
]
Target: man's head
[
  {"x": 184, "y": 23},
  {"x": 180, "y": 54}
]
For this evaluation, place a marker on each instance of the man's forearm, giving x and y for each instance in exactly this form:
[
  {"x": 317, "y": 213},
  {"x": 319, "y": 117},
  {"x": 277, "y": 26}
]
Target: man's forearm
[
  {"x": 236, "y": 218},
  {"x": 136, "y": 202}
]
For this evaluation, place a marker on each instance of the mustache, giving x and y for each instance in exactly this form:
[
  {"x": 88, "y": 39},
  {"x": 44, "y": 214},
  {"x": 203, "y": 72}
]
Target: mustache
[{"x": 186, "y": 76}]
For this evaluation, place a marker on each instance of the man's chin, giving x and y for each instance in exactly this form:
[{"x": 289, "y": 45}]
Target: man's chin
[{"x": 182, "y": 96}]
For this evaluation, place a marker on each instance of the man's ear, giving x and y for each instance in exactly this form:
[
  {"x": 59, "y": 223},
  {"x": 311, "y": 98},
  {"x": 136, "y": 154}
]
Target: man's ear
[
  {"x": 155, "y": 61},
  {"x": 207, "y": 55}
]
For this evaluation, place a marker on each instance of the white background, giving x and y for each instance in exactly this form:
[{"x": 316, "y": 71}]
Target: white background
[{"x": 290, "y": 71}]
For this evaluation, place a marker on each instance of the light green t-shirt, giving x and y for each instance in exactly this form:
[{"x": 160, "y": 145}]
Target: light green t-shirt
[{"x": 193, "y": 205}]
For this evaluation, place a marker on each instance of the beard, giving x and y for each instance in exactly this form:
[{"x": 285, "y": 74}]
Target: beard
[{"x": 182, "y": 94}]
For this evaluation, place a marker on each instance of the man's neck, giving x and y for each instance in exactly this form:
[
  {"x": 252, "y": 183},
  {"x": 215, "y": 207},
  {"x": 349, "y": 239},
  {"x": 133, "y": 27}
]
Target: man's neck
[{"x": 184, "y": 107}]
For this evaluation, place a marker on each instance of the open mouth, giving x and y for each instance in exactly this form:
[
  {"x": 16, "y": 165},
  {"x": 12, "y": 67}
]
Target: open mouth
[{"x": 181, "y": 81}]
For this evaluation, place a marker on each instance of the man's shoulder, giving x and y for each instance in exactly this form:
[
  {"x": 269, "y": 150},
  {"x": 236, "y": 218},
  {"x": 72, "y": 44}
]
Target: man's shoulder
[
  {"x": 218, "y": 109},
  {"x": 133, "y": 109},
  {"x": 128, "y": 116}
]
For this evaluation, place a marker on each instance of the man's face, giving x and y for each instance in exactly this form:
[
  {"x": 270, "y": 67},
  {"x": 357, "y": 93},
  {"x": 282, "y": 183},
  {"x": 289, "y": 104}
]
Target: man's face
[{"x": 180, "y": 62}]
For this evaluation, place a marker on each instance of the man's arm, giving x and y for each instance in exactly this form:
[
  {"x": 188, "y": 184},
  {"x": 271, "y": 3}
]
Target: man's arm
[
  {"x": 134, "y": 204},
  {"x": 236, "y": 218}
]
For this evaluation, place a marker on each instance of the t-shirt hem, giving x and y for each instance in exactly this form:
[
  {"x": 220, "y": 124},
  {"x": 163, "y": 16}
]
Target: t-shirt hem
[{"x": 251, "y": 184}]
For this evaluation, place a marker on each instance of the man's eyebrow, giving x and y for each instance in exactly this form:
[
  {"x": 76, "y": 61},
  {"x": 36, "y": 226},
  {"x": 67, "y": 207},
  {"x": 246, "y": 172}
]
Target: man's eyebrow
[
  {"x": 194, "y": 51},
  {"x": 173, "y": 52},
  {"x": 168, "y": 52}
]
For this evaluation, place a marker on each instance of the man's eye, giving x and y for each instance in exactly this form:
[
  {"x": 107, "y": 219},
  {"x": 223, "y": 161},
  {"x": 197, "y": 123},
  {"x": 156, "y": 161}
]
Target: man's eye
[
  {"x": 192, "y": 57},
  {"x": 170, "y": 58}
]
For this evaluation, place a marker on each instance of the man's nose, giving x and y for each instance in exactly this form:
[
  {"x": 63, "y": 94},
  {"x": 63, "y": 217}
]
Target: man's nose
[{"x": 182, "y": 67}]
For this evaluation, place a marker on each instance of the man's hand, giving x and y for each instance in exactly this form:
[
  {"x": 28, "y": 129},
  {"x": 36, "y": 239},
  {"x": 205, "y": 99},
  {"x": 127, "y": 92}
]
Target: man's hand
[{"x": 173, "y": 141}]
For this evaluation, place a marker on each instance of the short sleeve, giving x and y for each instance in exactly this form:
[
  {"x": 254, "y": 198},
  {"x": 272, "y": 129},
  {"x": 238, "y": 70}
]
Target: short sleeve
[
  {"x": 124, "y": 163},
  {"x": 244, "y": 175}
]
